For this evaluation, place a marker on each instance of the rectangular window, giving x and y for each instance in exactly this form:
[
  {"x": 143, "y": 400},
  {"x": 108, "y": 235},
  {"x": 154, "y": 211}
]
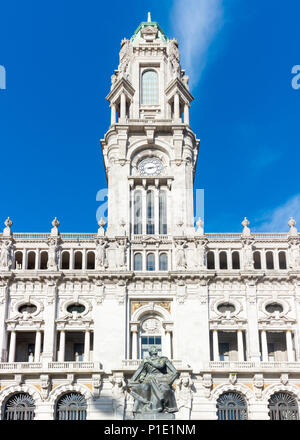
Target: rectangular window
[
  {"x": 78, "y": 352},
  {"x": 224, "y": 351},
  {"x": 147, "y": 341}
]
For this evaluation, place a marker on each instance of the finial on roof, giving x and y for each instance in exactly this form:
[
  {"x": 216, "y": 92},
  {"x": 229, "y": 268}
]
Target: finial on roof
[
  {"x": 55, "y": 224},
  {"x": 149, "y": 17},
  {"x": 246, "y": 230},
  {"x": 7, "y": 230},
  {"x": 200, "y": 224},
  {"x": 101, "y": 224},
  {"x": 292, "y": 224}
]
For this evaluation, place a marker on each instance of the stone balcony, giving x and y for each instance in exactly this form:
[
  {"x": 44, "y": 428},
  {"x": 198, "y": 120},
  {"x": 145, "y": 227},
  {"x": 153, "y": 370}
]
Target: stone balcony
[
  {"x": 132, "y": 364},
  {"x": 252, "y": 366},
  {"x": 57, "y": 367}
]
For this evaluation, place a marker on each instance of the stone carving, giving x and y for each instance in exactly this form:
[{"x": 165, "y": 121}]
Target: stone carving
[
  {"x": 121, "y": 254},
  {"x": 6, "y": 255},
  {"x": 199, "y": 255},
  {"x": 232, "y": 378},
  {"x": 293, "y": 230},
  {"x": 96, "y": 382},
  {"x": 53, "y": 254},
  {"x": 207, "y": 383},
  {"x": 151, "y": 387},
  {"x": 101, "y": 224},
  {"x": 174, "y": 59},
  {"x": 118, "y": 394},
  {"x": 184, "y": 396},
  {"x": 180, "y": 255},
  {"x": 284, "y": 379},
  {"x": 149, "y": 33},
  {"x": 246, "y": 231},
  {"x": 200, "y": 224},
  {"x": 7, "y": 230},
  {"x": 258, "y": 382},
  {"x": 45, "y": 385},
  {"x": 248, "y": 254},
  {"x": 151, "y": 325},
  {"x": 125, "y": 56},
  {"x": 54, "y": 230},
  {"x": 294, "y": 254},
  {"x": 101, "y": 261}
]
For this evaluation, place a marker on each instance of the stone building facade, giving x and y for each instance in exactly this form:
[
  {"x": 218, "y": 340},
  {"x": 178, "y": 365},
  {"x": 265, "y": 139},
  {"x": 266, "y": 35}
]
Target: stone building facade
[{"x": 79, "y": 311}]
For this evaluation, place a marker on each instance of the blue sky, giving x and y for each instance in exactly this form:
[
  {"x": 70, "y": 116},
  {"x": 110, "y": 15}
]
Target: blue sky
[{"x": 59, "y": 57}]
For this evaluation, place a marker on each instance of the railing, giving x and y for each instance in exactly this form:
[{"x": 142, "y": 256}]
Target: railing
[
  {"x": 281, "y": 365},
  {"x": 227, "y": 365},
  {"x": 235, "y": 365},
  {"x": 45, "y": 236},
  {"x": 234, "y": 235},
  {"x": 13, "y": 366},
  {"x": 73, "y": 365},
  {"x": 134, "y": 363},
  {"x": 20, "y": 365}
]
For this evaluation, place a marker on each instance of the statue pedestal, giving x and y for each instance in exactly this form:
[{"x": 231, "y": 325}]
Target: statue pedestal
[{"x": 155, "y": 416}]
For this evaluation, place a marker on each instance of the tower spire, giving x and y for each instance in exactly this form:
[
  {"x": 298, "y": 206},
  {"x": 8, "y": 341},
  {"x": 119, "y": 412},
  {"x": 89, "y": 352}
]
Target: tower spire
[{"x": 149, "y": 17}]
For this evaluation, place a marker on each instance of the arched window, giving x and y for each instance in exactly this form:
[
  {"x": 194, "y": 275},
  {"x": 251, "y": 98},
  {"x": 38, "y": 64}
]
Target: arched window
[
  {"x": 78, "y": 260},
  {"x": 90, "y": 262},
  {"x": 231, "y": 406},
  {"x": 223, "y": 260},
  {"x": 235, "y": 260},
  {"x": 65, "y": 260},
  {"x": 150, "y": 88},
  {"x": 210, "y": 260},
  {"x": 282, "y": 260},
  {"x": 269, "y": 260},
  {"x": 257, "y": 260},
  {"x": 31, "y": 260},
  {"x": 20, "y": 406},
  {"x": 150, "y": 262},
  {"x": 163, "y": 261},
  {"x": 138, "y": 262},
  {"x": 150, "y": 212},
  {"x": 18, "y": 260},
  {"x": 283, "y": 406},
  {"x": 162, "y": 212},
  {"x": 44, "y": 260},
  {"x": 71, "y": 406},
  {"x": 137, "y": 207}
]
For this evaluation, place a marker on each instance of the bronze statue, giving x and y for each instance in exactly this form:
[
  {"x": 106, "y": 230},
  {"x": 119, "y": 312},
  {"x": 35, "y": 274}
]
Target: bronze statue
[{"x": 151, "y": 386}]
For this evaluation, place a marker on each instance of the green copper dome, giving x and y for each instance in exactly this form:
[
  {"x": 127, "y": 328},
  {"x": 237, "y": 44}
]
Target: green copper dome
[{"x": 137, "y": 34}]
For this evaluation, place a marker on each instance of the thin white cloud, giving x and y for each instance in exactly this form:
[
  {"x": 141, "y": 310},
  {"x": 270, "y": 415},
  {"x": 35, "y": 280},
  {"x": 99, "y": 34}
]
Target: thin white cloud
[
  {"x": 279, "y": 217},
  {"x": 195, "y": 23}
]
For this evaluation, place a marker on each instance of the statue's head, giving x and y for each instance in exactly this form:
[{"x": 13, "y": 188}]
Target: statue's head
[{"x": 153, "y": 351}]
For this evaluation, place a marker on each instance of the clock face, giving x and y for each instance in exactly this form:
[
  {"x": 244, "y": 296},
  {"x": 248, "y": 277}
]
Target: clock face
[{"x": 150, "y": 167}]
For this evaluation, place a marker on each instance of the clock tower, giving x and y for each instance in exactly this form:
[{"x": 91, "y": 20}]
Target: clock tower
[{"x": 150, "y": 151}]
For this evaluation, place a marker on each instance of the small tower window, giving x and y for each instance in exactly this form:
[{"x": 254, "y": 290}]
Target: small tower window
[
  {"x": 150, "y": 212},
  {"x": 162, "y": 212},
  {"x": 137, "y": 262},
  {"x": 150, "y": 262},
  {"x": 137, "y": 207},
  {"x": 149, "y": 88},
  {"x": 163, "y": 262}
]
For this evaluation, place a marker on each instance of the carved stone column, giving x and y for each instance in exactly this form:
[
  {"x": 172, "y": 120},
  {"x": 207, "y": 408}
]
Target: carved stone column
[
  {"x": 12, "y": 346},
  {"x": 4, "y": 282},
  {"x": 252, "y": 334},
  {"x": 87, "y": 345},
  {"x": 134, "y": 341},
  {"x": 49, "y": 352},
  {"x": 216, "y": 345}
]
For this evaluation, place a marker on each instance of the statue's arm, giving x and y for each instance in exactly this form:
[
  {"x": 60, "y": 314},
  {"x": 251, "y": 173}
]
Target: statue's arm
[
  {"x": 173, "y": 371},
  {"x": 137, "y": 373}
]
